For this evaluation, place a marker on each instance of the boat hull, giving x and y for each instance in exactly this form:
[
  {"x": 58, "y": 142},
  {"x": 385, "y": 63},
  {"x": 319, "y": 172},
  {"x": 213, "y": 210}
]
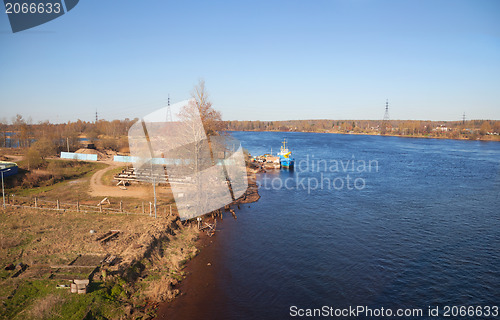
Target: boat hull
[{"x": 287, "y": 163}]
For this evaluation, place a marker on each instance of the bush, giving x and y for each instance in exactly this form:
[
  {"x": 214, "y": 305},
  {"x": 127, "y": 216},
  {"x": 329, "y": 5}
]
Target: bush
[
  {"x": 109, "y": 143},
  {"x": 31, "y": 180},
  {"x": 34, "y": 159},
  {"x": 45, "y": 147},
  {"x": 56, "y": 168}
]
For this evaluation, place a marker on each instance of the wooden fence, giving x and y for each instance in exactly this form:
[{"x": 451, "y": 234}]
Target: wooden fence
[{"x": 145, "y": 208}]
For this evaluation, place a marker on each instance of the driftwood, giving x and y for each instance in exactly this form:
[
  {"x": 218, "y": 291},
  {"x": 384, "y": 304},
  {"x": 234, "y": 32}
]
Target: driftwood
[
  {"x": 108, "y": 236},
  {"x": 233, "y": 213},
  {"x": 64, "y": 266},
  {"x": 210, "y": 228}
]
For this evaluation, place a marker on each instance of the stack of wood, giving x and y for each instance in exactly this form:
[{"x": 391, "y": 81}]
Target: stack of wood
[
  {"x": 129, "y": 175},
  {"x": 79, "y": 286},
  {"x": 109, "y": 260}
]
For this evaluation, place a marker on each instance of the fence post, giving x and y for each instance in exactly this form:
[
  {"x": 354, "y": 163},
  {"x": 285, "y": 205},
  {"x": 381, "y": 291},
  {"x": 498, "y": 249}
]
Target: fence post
[
  {"x": 100, "y": 207},
  {"x": 77, "y": 206},
  {"x": 121, "y": 206},
  {"x": 57, "y": 201},
  {"x": 150, "y": 209},
  {"x": 36, "y": 203},
  {"x": 143, "y": 207},
  {"x": 170, "y": 209}
]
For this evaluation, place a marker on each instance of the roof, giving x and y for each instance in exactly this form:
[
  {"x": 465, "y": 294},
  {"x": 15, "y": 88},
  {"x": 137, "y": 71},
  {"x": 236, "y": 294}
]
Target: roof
[{"x": 5, "y": 165}]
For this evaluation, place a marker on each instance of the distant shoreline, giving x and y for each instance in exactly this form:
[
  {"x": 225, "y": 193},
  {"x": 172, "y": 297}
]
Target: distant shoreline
[{"x": 481, "y": 138}]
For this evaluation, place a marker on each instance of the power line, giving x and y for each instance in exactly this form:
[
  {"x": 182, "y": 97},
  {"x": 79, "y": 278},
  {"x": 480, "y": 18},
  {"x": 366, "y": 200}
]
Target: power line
[
  {"x": 386, "y": 115},
  {"x": 386, "y": 121},
  {"x": 169, "y": 110}
]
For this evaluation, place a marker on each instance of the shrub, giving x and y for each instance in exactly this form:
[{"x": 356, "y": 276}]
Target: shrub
[
  {"x": 56, "y": 168},
  {"x": 31, "y": 180},
  {"x": 45, "y": 147},
  {"x": 34, "y": 159}
]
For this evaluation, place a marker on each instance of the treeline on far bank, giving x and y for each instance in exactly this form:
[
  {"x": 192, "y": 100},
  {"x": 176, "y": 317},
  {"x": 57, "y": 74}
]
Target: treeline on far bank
[{"x": 470, "y": 129}]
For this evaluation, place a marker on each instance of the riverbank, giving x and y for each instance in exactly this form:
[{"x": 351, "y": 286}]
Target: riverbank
[
  {"x": 474, "y": 138},
  {"x": 200, "y": 282}
]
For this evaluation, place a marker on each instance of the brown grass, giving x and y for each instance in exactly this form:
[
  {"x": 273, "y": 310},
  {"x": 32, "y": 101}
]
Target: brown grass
[
  {"x": 167, "y": 261},
  {"x": 162, "y": 289},
  {"x": 43, "y": 308},
  {"x": 44, "y": 237}
]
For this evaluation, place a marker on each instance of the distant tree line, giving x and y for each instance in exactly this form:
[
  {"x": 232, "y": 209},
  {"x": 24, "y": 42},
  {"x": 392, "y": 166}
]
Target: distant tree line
[{"x": 472, "y": 129}]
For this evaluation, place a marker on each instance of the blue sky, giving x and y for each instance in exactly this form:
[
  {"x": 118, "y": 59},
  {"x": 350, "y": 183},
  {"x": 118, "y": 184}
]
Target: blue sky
[{"x": 261, "y": 60}]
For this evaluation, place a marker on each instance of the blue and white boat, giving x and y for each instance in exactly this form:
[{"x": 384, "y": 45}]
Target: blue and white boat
[{"x": 286, "y": 160}]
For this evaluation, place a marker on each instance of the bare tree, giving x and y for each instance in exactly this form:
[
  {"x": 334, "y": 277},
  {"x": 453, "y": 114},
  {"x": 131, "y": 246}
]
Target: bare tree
[{"x": 211, "y": 118}]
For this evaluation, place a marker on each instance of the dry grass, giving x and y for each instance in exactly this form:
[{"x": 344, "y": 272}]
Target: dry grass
[
  {"x": 162, "y": 289},
  {"x": 46, "y": 237},
  {"x": 180, "y": 249},
  {"x": 167, "y": 261},
  {"x": 8, "y": 242},
  {"x": 43, "y": 308}
]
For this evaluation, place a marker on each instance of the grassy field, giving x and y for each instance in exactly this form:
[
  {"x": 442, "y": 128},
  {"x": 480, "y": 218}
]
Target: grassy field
[
  {"x": 56, "y": 179},
  {"x": 41, "y": 240},
  {"x": 69, "y": 181}
]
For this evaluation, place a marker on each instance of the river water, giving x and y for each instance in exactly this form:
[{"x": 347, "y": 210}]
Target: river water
[{"x": 362, "y": 221}]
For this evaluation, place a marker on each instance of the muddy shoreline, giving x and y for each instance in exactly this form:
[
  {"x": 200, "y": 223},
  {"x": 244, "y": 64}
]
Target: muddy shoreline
[{"x": 199, "y": 270}]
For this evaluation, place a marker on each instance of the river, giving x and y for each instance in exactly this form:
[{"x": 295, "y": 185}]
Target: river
[{"x": 362, "y": 221}]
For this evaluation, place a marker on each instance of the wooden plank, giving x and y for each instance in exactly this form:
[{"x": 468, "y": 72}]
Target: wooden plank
[{"x": 67, "y": 266}]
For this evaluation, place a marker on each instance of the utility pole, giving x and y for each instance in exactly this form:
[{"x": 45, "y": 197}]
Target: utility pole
[
  {"x": 3, "y": 192},
  {"x": 154, "y": 192},
  {"x": 67, "y": 142}
]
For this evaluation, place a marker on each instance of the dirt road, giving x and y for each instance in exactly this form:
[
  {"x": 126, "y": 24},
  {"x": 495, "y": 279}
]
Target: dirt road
[{"x": 98, "y": 189}]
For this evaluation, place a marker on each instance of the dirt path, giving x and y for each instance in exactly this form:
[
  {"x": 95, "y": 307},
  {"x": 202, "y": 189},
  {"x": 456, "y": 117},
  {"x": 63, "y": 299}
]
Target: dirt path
[
  {"x": 98, "y": 189},
  {"x": 14, "y": 158}
]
